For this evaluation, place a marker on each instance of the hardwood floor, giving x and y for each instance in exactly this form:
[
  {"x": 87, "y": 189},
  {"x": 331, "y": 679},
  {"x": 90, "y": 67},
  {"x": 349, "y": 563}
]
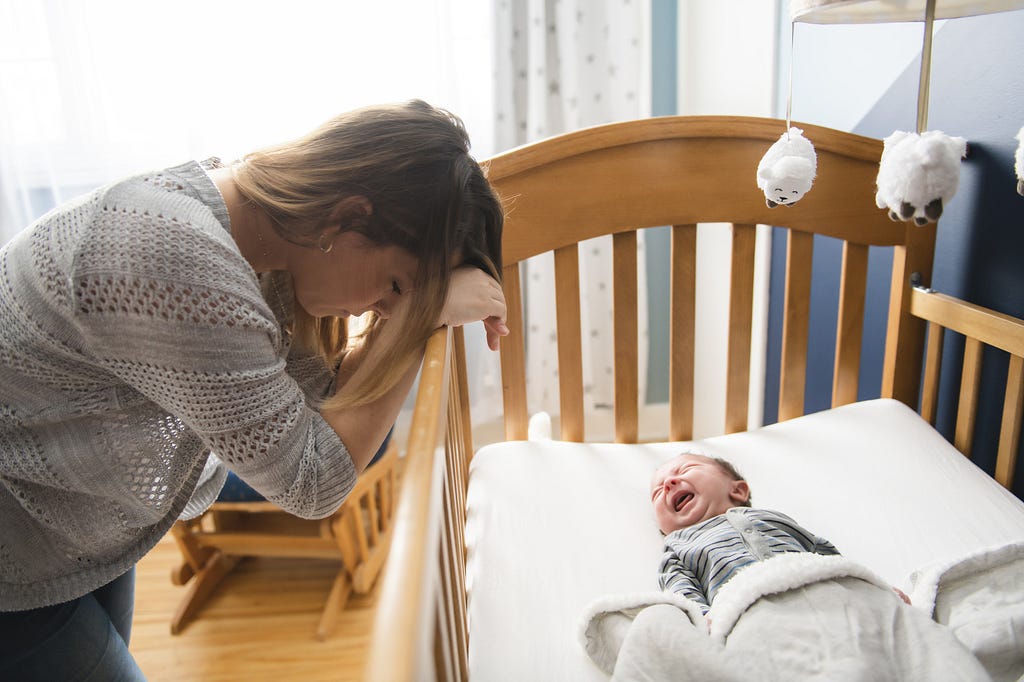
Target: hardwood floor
[{"x": 260, "y": 625}]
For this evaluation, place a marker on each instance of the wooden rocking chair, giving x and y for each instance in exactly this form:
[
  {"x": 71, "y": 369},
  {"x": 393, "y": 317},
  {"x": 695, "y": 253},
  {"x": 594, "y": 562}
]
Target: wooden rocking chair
[{"x": 358, "y": 534}]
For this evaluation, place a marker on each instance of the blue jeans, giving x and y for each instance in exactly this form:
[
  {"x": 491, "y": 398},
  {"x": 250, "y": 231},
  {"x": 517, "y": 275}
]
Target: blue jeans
[{"x": 83, "y": 639}]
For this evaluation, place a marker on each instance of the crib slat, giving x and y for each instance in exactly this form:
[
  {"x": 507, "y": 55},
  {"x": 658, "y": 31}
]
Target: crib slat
[
  {"x": 741, "y": 302},
  {"x": 513, "y": 363},
  {"x": 460, "y": 421},
  {"x": 460, "y": 382},
  {"x": 796, "y": 315},
  {"x": 932, "y": 365},
  {"x": 387, "y": 491},
  {"x": 445, "y": 643},
  {"x": 373, "y": 521},
  {"x": 359, "y": 529},
  {"x": 967, "y": 411},
  {"x": 453, "y": 570},
  {"x": 1013, "y": 415},
  {"x": 458, "y": 459},
  {"x": 850, "y": 327},
  {"x": 452, "y": 642},
  {"x": 625, "y": 331},
  {"x": 682, "y": 300},
  {"x": 904, "y": 336},
  {"x": 347, "y": 548},
  {"x": 570, "y": 357}
]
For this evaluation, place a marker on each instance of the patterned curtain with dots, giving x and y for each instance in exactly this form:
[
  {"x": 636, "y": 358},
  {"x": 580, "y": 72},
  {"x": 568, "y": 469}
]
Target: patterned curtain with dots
[{"x": 562, "y": 65}]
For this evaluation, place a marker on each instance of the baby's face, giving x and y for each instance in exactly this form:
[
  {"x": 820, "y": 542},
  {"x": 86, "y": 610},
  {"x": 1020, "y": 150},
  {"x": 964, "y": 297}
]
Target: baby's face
[{"x": 689, "y": 489}]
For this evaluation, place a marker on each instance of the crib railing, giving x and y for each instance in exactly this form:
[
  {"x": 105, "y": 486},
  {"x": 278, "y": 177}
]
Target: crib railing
[
  {"x": 420, "y": 630},
  {"x": 981, "y": 327},
  {"x": 681, "y": 171}
]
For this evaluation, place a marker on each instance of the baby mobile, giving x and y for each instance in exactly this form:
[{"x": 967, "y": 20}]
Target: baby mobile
[
  {"x": 919, "y": 172},
  {"x": 786, "y": 171}
]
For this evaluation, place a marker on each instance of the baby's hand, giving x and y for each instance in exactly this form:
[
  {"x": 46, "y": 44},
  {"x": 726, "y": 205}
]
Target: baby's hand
[{"x": 902, "y": 594}]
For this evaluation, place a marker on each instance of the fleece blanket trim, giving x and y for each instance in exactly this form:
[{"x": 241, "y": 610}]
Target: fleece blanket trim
[
  {"x": 781, "y": 573},
  {"x": 928, "y": 580}
]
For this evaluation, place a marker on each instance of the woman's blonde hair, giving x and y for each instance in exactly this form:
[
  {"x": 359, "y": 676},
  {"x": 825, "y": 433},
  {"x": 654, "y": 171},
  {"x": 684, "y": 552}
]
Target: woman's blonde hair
[{"x": 428, "y": 196}]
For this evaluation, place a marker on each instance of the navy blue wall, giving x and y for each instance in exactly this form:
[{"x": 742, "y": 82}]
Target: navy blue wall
[
  {"x": 664, "y": 79},
  {"x": 977, "y": 92}
]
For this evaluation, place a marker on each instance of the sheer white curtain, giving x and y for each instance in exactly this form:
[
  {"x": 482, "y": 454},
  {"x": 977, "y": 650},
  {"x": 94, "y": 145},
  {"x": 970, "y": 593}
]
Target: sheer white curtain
[
  {"x": 92, "y": 91},
  {"x": 562, "y": 65}
]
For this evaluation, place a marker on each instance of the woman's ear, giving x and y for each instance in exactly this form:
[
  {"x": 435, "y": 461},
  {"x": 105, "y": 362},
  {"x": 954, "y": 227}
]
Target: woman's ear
[
  {"x": 740, "y": 491},
  {"x": 351, "y": 209},
  {"x": 350, "y": 212}
]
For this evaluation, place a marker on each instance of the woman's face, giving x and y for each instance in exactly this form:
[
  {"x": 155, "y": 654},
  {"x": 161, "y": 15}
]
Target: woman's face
[{"x": 354, "y": 277}]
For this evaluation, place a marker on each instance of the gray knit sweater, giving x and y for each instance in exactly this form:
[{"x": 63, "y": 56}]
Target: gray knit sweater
[{"x": 134, "y": 340}]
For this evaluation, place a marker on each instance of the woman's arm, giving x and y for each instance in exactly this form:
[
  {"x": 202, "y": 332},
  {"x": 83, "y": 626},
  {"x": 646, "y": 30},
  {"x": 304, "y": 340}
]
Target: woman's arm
[
  {"x": 363, "y": 428},
  {"x": 472, "y": 295}
]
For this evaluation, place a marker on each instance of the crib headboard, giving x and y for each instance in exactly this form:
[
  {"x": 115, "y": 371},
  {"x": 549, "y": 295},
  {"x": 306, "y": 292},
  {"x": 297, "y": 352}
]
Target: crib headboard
[
  {"x": 680, "y": 171},
  {"x": 616, "y": 179}
]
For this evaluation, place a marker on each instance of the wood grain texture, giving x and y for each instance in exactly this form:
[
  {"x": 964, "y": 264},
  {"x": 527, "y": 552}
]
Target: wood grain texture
[
  {"x": 795, "y": 320},
  {"x": 932, "y": 371},
  {"x": 967, "y": 408},
  {"x": 741, "y": 303},
  {"x": 570, "y": 352},
  {"x": 513, "y": 358},
  {"x": 682, "y": 331},
  {"x": 624, "y": 301},
  {"x": 853, "y": 281},
  {"x": 904, "y": 335},
  {"x": 1013, "y": 415}
]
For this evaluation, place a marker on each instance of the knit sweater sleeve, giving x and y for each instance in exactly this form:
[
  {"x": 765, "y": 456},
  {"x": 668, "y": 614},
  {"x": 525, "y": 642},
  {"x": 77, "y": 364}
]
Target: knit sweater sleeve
[{"x": 163, "y": 300}]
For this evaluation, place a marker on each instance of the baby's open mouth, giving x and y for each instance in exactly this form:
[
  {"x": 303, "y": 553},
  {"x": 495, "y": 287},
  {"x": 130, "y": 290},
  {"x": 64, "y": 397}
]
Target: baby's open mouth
[{"x": 681, "y": 499}]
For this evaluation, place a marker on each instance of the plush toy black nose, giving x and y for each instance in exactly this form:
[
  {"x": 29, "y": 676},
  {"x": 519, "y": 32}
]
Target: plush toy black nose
[{"x": 782, "y": 200}]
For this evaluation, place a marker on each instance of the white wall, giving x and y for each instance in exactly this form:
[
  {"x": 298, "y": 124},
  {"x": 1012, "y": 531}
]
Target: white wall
[
  {"x": 841, "y": 71},
  {"x": 726, "y": 57},
  {"x": 726, "y": 66}
]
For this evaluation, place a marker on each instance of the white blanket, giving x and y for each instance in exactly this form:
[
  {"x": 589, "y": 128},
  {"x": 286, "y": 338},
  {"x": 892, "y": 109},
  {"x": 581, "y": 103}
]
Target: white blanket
[
  {"x": 793, "y": 617},
  {"x": 981, "y": 598}
]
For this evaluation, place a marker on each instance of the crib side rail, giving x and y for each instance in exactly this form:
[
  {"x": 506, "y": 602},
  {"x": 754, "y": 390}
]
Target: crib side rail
[
  {"x": 420, "y": 628},
  {"x": 981, "y": 327}
]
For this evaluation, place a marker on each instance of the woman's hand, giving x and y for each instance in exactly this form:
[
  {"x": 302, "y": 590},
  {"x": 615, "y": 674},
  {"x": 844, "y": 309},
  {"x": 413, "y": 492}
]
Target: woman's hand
[{"x": 474, "y": 295}]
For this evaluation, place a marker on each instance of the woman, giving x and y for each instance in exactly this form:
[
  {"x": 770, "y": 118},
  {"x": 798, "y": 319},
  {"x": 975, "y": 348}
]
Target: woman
[{"x": 203, "y": 308}]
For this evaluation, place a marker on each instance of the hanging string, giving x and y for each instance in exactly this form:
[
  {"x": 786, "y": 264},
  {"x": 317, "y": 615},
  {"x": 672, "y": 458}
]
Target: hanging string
[
  {"x": 926, "y": 67},
  {"x": 789, "y": 94}
]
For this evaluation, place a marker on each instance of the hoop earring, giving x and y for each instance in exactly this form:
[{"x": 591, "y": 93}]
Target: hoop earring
[{"x": 320, "y": 244}]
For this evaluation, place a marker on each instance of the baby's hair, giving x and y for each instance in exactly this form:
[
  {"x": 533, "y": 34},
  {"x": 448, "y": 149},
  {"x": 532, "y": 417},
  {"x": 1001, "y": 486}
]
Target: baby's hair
[{"x": 729, "y": 470}]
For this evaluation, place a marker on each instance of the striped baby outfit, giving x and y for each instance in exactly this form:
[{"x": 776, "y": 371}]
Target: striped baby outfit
[{"x": 700, "y": 559}]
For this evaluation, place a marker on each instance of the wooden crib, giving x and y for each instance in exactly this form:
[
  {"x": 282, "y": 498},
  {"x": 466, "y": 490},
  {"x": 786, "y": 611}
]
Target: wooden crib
[{"x": 616, "y": 179}]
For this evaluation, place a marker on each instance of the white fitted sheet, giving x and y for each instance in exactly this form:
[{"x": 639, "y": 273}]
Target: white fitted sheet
[{"x": 552, "y": 525}]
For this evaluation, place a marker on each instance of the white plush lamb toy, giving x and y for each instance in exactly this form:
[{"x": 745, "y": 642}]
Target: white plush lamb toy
[
  {"x": 787, "y": 169},
  {"x": 1018, "y": 164},
  {"x": 919, "y": 174}
]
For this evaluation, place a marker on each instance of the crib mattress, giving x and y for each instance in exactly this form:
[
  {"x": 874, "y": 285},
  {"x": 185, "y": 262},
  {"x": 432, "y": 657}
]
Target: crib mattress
[{"x": 551, "y": 526}]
